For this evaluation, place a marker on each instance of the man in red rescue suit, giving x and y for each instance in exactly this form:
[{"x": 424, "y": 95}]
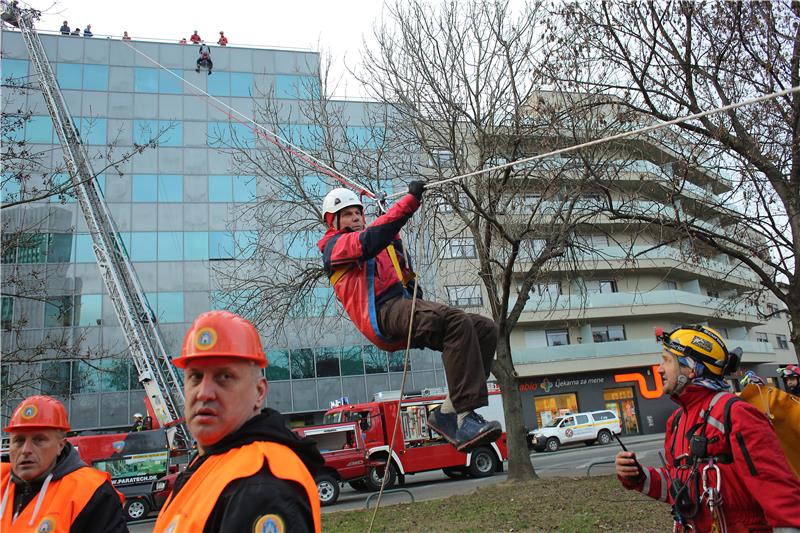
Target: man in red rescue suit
[
  {"x": 250, "y": 472},
  {"x": 371, "y": 278},
  {"x": 46, "y": 487},
  {"x": 725, "y": 470}
]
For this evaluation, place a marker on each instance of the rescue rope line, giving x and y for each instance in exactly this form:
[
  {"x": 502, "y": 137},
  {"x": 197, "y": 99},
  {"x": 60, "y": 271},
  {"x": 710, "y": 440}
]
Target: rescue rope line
[
  {"x": 261, "y": 130},
  {"x": 406, "y": 358},
  {"x": 618, "y": 136}
]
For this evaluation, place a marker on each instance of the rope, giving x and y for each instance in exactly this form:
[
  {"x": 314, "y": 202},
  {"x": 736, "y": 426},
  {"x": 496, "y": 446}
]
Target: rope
[
  {"x": 601, "y": 140},
  {"x": 402, "y": 388},
  {"x": 262, "y": 131}
]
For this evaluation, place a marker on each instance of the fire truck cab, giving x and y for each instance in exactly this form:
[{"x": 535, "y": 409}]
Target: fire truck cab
[{"x": 417, "y": 447}]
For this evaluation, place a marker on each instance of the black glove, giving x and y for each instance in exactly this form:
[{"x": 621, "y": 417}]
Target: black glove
[{"x": 415, "y": 188}]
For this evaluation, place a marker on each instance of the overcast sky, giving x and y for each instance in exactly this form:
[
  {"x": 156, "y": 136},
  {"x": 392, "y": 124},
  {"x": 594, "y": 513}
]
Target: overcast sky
[{"x": 337, "y": 26}]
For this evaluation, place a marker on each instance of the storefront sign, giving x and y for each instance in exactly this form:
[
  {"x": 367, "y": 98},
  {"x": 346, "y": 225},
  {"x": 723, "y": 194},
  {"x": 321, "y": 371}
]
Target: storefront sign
[{"x": 641, "y": 382}]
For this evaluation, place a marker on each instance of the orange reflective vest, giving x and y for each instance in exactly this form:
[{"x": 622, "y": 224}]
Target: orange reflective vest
[
  {"x": 189, "y": 510},
  {"x": 63, "y": 501}
]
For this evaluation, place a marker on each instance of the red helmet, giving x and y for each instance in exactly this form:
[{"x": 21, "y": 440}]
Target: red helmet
[
  {"x": 789, "y": 371},
  {"x": 39, "y": 412},
  {"x": 221, "y": 334}
]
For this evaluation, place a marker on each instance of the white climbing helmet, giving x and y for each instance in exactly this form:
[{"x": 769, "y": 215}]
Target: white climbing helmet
[{"x": 338, "y": 199}]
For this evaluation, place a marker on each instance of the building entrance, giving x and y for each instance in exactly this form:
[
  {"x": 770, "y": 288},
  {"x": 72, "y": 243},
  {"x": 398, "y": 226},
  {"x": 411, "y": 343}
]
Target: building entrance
[{"x": 622, "y": 401}]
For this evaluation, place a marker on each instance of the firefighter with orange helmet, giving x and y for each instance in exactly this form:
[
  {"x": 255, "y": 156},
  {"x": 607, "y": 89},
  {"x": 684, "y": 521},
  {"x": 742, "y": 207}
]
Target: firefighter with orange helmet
[
  {"x": 724, "y": 467},
  {"x": 250, "y": 473},
  {"x": 46, "y": 487},
  {"x": 791, "y": 378}
]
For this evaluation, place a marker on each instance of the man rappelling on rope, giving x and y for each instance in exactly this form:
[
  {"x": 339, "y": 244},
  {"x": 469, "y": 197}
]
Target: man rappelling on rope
[
  {"x": 724, "y": 470},
  {"x": 374, "y": 282}
]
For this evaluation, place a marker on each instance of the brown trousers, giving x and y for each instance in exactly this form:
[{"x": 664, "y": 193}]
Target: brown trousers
[{"x": 467, "y": 342}]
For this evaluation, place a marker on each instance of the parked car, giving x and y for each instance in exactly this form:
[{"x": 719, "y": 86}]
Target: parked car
[{"x": 589, "y": 427}]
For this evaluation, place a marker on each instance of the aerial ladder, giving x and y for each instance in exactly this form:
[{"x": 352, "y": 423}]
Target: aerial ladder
[{"x": 153, "y": 365}]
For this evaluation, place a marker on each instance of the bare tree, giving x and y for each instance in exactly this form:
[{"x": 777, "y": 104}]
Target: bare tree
[{"x": 668, "y": 60}]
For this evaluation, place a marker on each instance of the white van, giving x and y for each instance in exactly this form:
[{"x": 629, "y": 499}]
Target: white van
[{"x": 589, "y": 427}]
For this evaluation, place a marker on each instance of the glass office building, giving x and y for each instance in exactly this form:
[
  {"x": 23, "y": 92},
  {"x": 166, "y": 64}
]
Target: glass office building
[{"x": 178, "y": 210}]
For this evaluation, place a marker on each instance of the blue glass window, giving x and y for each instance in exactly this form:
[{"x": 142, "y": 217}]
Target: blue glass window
[
  {"x": 14, "y": 68},
  {"x": 245, "y": 243},
  {"x": 365, "y": 137},
  {"x": 221, "y": 245},
  {"x": 88, "y": 309},
  {"x": 244, "y": 188},
  {"x": 59, "y": 181},
  {"x": 170, "y": 246},
  {"x": 69, "y": 76},
  {"x": 83, "y": 248},
  {"x": 195, "y": 245},
  {"x": 220, "y": 189},
  {"x": 59, "y": 248},
  {"x": 169, "y": 133},
  {"x": 169, "y": 84},
  {"x": 39, "y": 130},
  {"x": 303, "y": 135},
  {"x": 9, "y": 192},
  {"x": 315, "y": 186},
  {"x": 299, "y": 245},
  {"x": 230, "y": 134},
  {"x": 352, "y": 362},
  {"x": 375, "y": 361},
  {"x": 219, "y": 84},
  {"x": 278, "y": 367},
  {"x": 95, "y": 77},
  {"x": 143, "y": 246},
  {"x": 302, "y": 364},
  {"x": 144, "y": 188},
  {"x": 327, "y": 362},
  {"x": 145, "y": 80},
  {"x": 58, "y": 312},
  {"x": 324, "y": 304},
  {"x": 93, "y": 130},
  {"x": 241, "y": 82},
  {"x": 170, "y": 188},
  {"x": 170, "y": 306},
  {"x": 296, "y": 87}
]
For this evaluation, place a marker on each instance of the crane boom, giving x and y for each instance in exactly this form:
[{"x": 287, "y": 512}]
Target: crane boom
[{"x": 153, "y": 365}]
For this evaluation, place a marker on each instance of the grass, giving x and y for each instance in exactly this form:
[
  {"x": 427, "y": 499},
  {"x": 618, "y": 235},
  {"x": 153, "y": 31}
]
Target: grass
[{"x": 549, "y": 504}]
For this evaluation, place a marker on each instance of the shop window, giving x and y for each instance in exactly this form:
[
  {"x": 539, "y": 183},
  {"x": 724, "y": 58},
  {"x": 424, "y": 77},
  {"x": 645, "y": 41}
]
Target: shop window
[
  {"x": 278, "y": 367},
  {"x": 296, "y": 87},
  {"x": 608, "y": 333},
  {"x": 58, "y": 312},
  {"x": 783, "y": 344},
  {"x": 195, "y": 246},
  {"x": 68, "y": 76},
  {"x": 375, "y": 361},
  {"x": 461, "y": 248},
  {"x": 352, "y": 362},
  {"x": 551, "y": 408},
  {"x": 143, "y": 246},
  {"x": 7, "y": 312},
  {"x": 327, "y": 362},
  {"x": 622, "y": 403},
  {"x": 89, "y": 309},
  {"x": 302, "y": 363},
  {"x": 170, "y": 246},
  {"x": 59, "y": 249},
  {"x": 16, "y": 69},
  {"x": 145, "y": 80},
  {"x": 557, "y": 337},
  {"x": 464, "y": 295}
]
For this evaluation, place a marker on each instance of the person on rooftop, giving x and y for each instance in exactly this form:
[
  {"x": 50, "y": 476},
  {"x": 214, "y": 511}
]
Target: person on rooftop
[
  {"x": 125, "y": 36},
  {"x": 76, "y": 31},
  {"x": 223, "y": 41},
  {"x": 195, "y": 38},
  {"x": 87, "y": 32},
  {"x": 65, "y": 28},
  {"x": 182, "y": 41}
]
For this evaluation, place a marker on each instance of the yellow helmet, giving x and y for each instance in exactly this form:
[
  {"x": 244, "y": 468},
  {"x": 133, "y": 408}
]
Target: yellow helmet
[{"x": 702, "y": 344}]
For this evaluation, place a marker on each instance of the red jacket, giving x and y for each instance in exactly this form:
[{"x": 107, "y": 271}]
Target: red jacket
[
  {"x": 759, "y": 490},
  {"x": 371, "y": 278}
]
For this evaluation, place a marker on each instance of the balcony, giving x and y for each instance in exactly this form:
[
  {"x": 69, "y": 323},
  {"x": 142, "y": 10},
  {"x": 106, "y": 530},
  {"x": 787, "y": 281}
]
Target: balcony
[
  {"x": 689, "y": 306},
  {"x": 753, "y": 352}
]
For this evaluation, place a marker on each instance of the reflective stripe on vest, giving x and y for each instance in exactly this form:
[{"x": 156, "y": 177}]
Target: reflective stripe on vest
[
  {"x": 190, "y": 509},
  {"x": 338, "y": 273},
  {"x": 63, "y": 501}
]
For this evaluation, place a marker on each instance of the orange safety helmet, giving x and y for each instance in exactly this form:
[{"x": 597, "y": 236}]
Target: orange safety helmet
[
  {"x": 221, "y": 334},
  {"x": 38, "y": 412}
]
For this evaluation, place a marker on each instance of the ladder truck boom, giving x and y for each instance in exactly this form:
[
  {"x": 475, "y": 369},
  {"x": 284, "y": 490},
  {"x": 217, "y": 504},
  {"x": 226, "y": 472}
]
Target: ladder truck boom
[{"x": 153, "y": 365}]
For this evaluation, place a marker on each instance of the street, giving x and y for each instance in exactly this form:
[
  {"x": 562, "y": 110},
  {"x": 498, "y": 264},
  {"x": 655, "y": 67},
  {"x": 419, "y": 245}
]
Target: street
[{"x": 570, "y": 461}]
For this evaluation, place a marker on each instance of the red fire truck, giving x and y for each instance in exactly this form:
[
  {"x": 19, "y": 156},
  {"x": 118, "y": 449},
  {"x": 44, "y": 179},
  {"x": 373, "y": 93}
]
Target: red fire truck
[{"x": 417, "y": 447}]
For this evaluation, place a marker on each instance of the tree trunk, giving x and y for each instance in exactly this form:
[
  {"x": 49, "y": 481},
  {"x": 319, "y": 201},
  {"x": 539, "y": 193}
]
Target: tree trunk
[{"x": 520, "y": 467}]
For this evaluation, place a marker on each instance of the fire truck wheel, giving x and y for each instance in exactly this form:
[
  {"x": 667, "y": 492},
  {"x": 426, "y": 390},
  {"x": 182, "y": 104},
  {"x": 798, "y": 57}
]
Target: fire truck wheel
[
  {"x": 136, "y": 509},
  {"x": 359, "y": 485},
  {"x": 374, "y": 477},
  {"x": 455, "y": 472},
  {"x": 328, "y": 488},
  {"x": 483, "y": 463}
]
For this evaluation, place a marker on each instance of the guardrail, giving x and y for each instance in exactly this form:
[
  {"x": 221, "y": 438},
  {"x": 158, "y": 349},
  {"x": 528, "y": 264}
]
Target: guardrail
[
  {"x": 390, "y": 491},
  {"x": 596, "y": 463}
]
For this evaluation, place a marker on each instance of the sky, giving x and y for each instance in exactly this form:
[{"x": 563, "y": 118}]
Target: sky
[{"x": 333, "y": 26}]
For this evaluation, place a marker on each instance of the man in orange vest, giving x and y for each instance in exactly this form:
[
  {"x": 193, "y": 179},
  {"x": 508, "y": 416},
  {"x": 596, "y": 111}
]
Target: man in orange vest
[
  {"x": 250, "y": 472},
  {"x": 46, "y": 487}
]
